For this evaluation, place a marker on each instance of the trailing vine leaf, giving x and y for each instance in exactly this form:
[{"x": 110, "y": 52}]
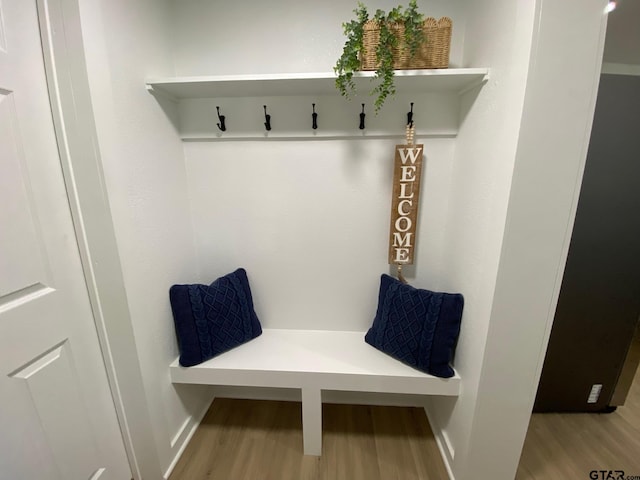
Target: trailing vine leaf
[
  {"x": 413, "y": 33},
  {"x": 350, "y": 61},
  {"x": 384, "y": 56}
]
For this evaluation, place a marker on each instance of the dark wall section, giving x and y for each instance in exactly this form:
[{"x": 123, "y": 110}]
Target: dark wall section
[{"x": 599, "y": 302}]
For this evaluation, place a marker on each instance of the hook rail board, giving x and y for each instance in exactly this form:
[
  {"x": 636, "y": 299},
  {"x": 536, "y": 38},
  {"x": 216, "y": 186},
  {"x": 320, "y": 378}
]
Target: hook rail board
[
  {"x": 289, "y": 99},
  {"x": 313, "y": 361},
  {"x": 435, "y": 114}
]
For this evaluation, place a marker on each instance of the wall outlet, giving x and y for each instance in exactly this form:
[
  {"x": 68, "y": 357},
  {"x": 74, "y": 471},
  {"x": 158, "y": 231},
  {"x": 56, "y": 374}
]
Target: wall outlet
[{"x": 595, "y": 393}]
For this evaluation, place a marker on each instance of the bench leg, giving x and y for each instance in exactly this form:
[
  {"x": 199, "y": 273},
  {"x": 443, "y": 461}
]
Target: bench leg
[{"x": 312, "y": 421}]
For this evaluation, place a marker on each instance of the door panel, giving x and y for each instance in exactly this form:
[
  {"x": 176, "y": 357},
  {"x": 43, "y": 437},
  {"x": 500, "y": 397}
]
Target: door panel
[
  {"x": 20, "y": 247},
  {"x": 52, "y": 383},
  {"x": 57, "y": 418}
]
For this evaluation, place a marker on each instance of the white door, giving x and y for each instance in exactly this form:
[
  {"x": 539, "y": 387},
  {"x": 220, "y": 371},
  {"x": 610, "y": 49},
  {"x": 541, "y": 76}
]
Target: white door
[{"x": 57, "y": 418}]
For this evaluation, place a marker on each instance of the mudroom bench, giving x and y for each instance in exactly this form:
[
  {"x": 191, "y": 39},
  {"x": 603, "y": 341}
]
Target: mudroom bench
[{"x": 313, "y": 361}]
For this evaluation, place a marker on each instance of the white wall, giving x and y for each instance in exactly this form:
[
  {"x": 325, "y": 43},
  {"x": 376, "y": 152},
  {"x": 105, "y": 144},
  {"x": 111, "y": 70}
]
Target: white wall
[
  {"x": 310, "y": 222},
  {"x": 509, "y": 236},
  {"x": 294, "y": 270},
  {"x": 243, "y": 37},
  {"x": 483, "y": 166},
  {"x": 146, "y": 181},
  {"x": 551, "y": 153}
]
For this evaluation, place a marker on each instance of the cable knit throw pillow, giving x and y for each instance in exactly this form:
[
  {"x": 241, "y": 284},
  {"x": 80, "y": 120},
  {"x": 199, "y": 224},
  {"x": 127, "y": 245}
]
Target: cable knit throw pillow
[
  {"x": 417, "y": 327},
  {"x": 212, "y": 319}
]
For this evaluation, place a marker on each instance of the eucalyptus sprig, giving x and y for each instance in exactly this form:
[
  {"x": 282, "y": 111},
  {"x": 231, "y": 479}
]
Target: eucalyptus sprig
[
  {"x": 350, "y": 61},
  {"x": 384, "y": 55},
  {"x": 413, "y": 33}
]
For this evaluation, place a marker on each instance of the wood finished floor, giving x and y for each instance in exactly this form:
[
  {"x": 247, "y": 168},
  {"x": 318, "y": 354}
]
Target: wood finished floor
[
  {"x": 570, "y": 445},
  {"x": 251, "y": 439},
  {"x": 248, "y": 439}
]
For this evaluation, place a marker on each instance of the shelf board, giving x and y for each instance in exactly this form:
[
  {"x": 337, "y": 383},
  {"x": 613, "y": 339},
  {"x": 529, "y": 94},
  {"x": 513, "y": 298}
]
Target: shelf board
[
  {"x": 310, "y": 84},
  {"x": 328, "y": 360}
]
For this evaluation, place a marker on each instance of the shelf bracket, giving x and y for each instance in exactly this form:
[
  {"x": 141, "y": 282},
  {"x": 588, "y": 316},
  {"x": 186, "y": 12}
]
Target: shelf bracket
[
  {"x": 159, "y": 93},
  {"x": 471, "y": 86}
]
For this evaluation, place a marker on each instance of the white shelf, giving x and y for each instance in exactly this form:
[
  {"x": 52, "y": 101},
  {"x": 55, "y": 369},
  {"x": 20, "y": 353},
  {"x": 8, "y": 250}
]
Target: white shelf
[
  {"x": 320, "y": 360},
  {"x": 311, "y": 84}
]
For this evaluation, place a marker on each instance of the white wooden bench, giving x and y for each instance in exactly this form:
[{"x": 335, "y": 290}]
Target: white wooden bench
[{"x": 313, "y": 360}]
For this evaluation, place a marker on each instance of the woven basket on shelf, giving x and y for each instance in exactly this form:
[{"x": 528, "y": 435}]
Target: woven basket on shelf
[{"x": 433, "y": 53}]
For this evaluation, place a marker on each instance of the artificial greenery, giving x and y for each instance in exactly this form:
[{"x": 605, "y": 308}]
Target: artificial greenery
[{"x": 349, "y": 61}]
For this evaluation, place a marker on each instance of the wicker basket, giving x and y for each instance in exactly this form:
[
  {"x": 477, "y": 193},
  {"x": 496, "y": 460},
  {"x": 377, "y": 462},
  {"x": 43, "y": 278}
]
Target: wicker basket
[{"x": 433, "y": 53}]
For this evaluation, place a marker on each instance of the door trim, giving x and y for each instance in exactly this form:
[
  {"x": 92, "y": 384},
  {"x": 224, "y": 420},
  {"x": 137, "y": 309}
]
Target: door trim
[{"x": 73, "y": 118}]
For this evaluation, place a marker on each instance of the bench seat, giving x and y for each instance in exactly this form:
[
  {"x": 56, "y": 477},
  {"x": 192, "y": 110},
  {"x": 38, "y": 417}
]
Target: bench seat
[{"x": 313, "y": 360}]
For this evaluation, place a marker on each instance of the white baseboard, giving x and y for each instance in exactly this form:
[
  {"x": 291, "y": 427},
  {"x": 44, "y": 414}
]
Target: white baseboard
[
  {"x": 183, "y": 436},
  {"x": 444, "y": 444},
  {"x": 183, "y": 431}
]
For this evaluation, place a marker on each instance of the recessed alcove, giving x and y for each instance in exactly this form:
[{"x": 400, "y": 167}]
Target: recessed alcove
[{"x": 306, "y": 213}]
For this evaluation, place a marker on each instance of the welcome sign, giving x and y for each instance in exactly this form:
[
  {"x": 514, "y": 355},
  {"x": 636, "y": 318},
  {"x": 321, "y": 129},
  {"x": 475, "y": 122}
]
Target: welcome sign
[{"x": 407, "y": 173}]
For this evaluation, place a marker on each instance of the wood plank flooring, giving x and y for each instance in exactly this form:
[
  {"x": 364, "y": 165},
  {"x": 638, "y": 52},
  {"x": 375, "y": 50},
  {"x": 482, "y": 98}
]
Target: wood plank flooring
[
  {"x": 570, "y": 445},
  {"x": 251, "y": 439}
]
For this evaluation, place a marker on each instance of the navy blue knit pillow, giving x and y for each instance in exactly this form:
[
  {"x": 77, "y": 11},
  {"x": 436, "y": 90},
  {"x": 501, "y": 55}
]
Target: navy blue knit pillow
[
  {"x": 212, "y": 319},
  {"x": 417, "y": 327}
]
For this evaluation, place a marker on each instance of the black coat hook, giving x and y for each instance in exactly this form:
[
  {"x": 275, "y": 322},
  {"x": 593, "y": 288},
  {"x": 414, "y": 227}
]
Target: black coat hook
[
  {"x": 221, "y": 118},
  {"x": 362, "y": 115},
  {"x": 267, "y": 119},
  {"x": 410, "y": 116},
  {"x": 314, "y": 117}
]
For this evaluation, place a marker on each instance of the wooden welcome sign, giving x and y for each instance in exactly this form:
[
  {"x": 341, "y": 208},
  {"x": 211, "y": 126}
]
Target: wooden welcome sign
[{"x": 407, "y": 173}]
